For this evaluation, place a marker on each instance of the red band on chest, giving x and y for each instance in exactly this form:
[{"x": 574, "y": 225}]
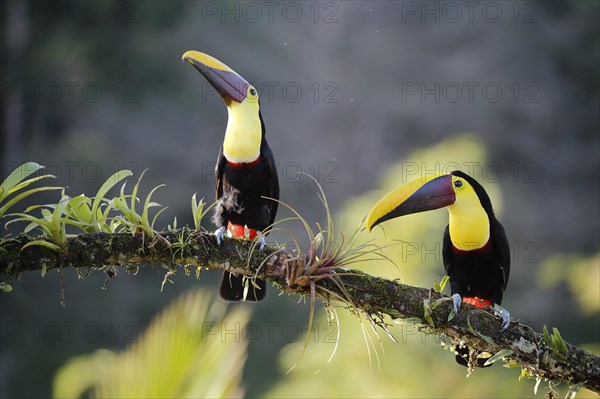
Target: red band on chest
[
  {"x": 464, "y": 251},
  {"x": 240, "y": 165},
  {"x": 477, "y": 302},
  {"x": 237, "y": 231}
]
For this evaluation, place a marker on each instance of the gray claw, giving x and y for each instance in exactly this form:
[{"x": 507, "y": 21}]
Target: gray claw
[
  {"x": 500, "y": 311},
  {"x": 220, "y": 234},
  {"x": 261, "y": 241},
  {"x": 456, "y": 301}
]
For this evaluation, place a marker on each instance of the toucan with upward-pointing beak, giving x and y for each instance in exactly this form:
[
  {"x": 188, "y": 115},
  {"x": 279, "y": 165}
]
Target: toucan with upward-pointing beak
[
  {"x": 475, "y": 250},
  {"x": 246, "y": 180}
]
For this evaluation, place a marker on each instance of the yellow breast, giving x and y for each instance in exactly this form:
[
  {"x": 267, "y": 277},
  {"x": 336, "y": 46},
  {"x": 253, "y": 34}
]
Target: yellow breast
[
  {"x": 469, "y": 223},
  {"x": 244, "y": 132}
]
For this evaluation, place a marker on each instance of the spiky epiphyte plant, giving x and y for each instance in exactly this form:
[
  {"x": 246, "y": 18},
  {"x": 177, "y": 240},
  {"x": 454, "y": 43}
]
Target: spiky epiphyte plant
[
  {"x": 317, "y": 270},
  {"x": 130, "y": 218},
  {"x": 89, "y": 215}
]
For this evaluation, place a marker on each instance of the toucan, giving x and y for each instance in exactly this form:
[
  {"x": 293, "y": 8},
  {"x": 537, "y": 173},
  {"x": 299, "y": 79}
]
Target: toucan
[
  {"x": 475, "y": 249},
  {"x": 247, "y": 186}
]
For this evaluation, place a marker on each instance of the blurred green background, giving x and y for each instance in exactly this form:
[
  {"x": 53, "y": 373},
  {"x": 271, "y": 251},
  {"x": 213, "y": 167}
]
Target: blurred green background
[{"x": 363, "y": 96}]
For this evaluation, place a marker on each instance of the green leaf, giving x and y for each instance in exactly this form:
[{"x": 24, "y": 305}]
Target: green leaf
[
  {"x": 411, "y": 320},
  {"x": 556, "y": 342},
  {"x": 436, "y": 303},
  {"x": 512, "y": 364},
  {"x": 451, "y": 315},
  {"x": 5, "y": 287},
  {"x": 427, "y": 312},
  {"x": 197, "y": 211},
  {"x": 148, "y": 204},
  {"x": 108, "y": 184},
  {"x": 135, "y": 191},
  {"x": 27, "y": 182},
  {"x": 17, "y": 175},
  {"x": 43, "y": 243},
  {"x": 525, "y": 374},
  {"x": 498, "y": 355},
  {"x": 561, "y": 346},
  {"x": 156, "y": 217},
  {"x": 487, "y": 339},
  {"x": 439, "y": 287},
  {"x": 546, "y": 357},
  {"x": 4, "y": 208},
  {"x": 57, "y": 224},
  {"x": 470, "y": 326},
  {"x": 547, "y": 337},
  {"x": 393, "y": 313},
  {"x": 42, "y": 223}
]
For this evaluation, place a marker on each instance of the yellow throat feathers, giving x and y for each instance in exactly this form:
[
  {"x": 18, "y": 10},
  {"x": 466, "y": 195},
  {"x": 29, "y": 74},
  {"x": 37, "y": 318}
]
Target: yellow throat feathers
[
  {"x": 244, "y": 133},
  {"x": 469, "y": 222}
]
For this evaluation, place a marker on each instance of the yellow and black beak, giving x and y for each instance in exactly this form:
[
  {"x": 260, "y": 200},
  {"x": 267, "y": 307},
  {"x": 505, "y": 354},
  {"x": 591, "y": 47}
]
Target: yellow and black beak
[
  {"x": 225, "y": 80},
  {"x": 422, "y": 194}
]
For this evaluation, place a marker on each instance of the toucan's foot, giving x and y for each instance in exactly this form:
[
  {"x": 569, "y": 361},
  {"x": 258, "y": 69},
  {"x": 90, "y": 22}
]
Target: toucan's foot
[
  {"x": 261, "y": 240},
  {"x": 220, "y": 234},
  {"x": 456, "y": 301},
  {"x": 500, "y": 311}
]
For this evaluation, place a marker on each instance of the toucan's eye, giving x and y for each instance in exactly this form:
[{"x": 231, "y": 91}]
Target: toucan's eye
[
  {"x": 458, "y": 184},
  {"x": 253, "y": 92}
]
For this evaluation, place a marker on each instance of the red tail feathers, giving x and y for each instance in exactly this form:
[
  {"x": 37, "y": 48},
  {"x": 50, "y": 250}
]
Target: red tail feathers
[
  {"x": 238, "y": 231},
  {"x": 477, "y": 302}
]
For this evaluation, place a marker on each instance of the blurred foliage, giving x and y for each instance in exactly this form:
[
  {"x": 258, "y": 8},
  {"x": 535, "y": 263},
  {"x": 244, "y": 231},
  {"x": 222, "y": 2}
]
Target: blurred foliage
[
  {"x": 367, "y": 364},
  {"x": 178, "y": 356},
  {"x": 580, "y": 274}
]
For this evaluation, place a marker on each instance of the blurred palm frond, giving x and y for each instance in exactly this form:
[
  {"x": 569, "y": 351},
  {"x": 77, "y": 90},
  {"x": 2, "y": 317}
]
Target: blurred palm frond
[{"x": 181, "y": 354}]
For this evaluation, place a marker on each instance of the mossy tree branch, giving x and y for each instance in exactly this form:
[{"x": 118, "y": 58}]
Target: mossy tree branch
[{"x": 374, "y": 296}]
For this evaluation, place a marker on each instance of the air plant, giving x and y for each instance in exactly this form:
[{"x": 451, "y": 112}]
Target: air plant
[
  {"x": 130, "y": 219},
  {"x": 91, "y": 215},
  {"x": 198, "y": 211},
  {"x": 52, "y": 223},
  {"x": 327, "y": 259}
]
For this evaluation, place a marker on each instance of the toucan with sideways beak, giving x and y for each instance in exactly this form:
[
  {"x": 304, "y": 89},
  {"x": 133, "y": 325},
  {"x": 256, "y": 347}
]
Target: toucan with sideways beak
[
  {"x": 247, "y": 187},
  {"x": 475, "y": 249}
]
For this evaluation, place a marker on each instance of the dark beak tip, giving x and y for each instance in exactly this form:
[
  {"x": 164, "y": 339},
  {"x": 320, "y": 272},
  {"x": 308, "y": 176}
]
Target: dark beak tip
[{"x": 376, "y": 223}]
